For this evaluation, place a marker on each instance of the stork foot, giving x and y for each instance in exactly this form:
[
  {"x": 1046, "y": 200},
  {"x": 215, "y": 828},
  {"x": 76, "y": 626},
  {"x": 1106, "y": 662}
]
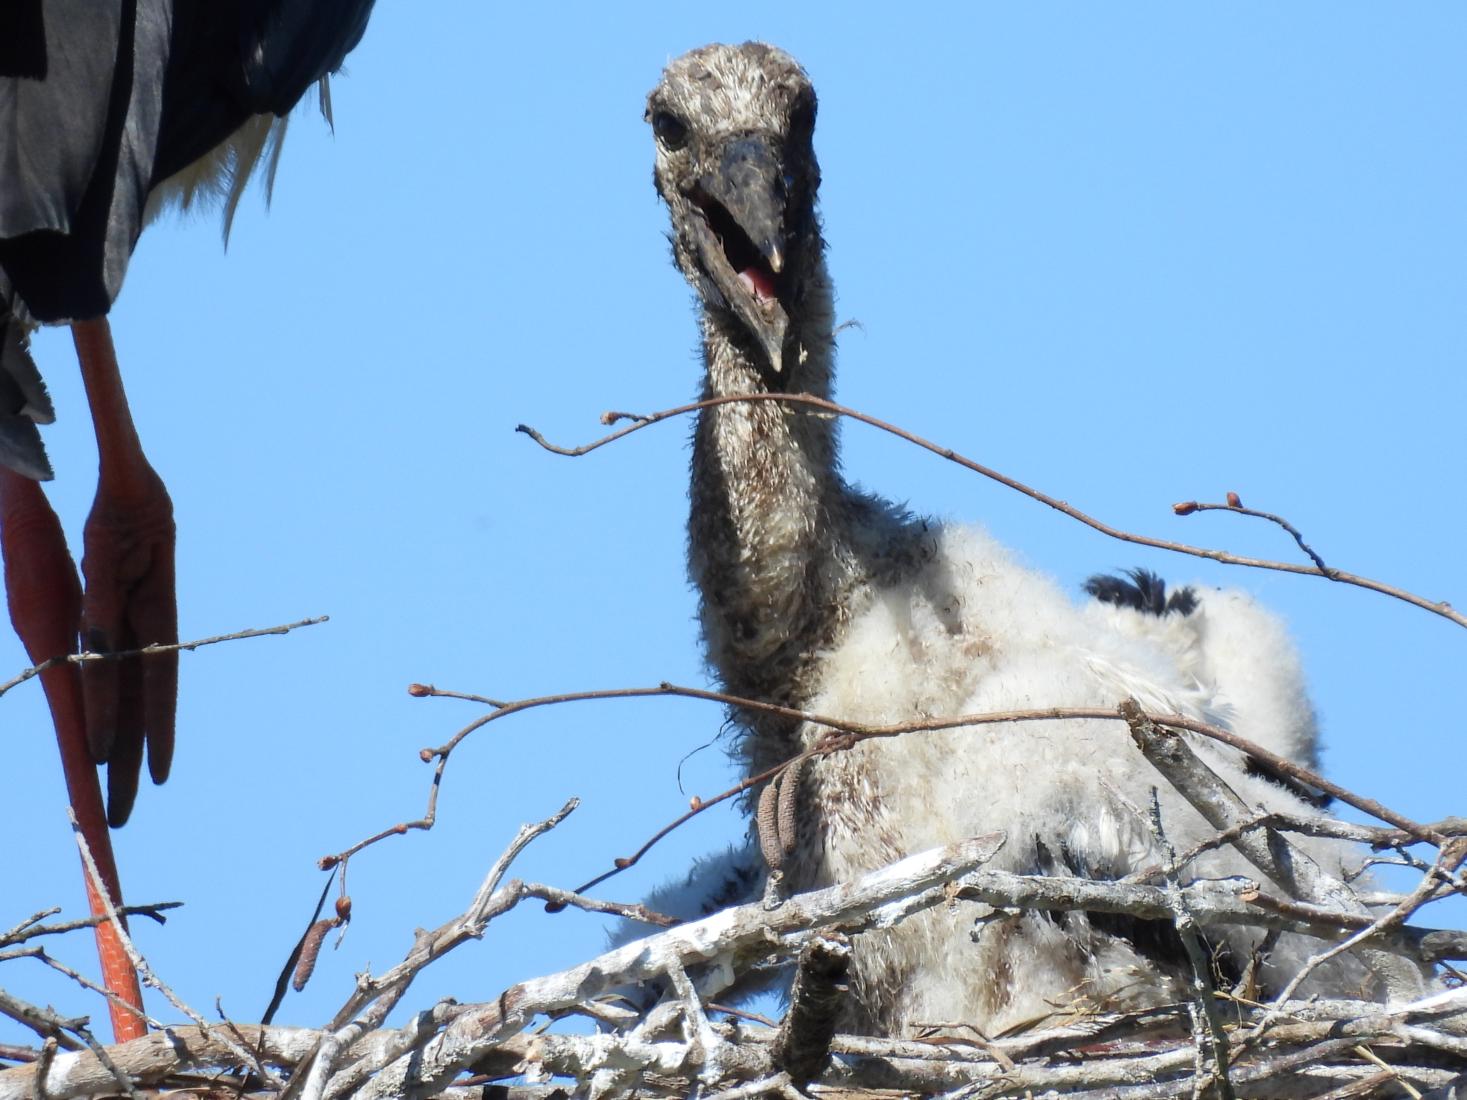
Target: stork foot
[
  {"x": 45, "y": 597},
  {"x": 130, "y": 602}
]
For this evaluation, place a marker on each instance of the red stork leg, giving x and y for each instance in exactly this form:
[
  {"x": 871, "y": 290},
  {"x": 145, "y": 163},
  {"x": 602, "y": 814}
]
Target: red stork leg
[
  {"x": 45, "y": 606},
  {"x": 129, "y": 600}
]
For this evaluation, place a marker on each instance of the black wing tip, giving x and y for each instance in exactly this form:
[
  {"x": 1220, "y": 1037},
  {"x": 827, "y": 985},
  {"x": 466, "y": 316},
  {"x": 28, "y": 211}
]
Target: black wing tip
[{"x": 1141, "y": 590}]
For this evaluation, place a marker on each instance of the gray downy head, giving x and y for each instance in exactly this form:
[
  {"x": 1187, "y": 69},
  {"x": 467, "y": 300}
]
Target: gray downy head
[{"x": 735, "y": 165}]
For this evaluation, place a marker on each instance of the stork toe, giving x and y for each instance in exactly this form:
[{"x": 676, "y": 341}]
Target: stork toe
[{"x": 130, "y": 602}]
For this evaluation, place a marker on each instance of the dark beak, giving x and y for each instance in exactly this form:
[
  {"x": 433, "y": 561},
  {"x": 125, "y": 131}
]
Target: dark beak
[{"x": 743, "y": 201}]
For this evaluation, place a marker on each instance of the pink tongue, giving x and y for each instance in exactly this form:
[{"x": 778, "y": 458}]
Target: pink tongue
[{"x": 760, "y": 285}]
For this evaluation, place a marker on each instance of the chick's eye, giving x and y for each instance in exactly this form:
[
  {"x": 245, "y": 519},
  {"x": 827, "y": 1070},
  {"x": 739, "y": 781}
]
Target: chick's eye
[{"x": 669, "y": 129}]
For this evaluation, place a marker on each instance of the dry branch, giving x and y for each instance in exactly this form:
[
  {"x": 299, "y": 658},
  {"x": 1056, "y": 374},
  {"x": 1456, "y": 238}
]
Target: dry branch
[
  {"x": 156, "y": 648},
  {"x": 1141, "y": 1054},
  {"x": 830, "y": 408},
  {"x": 775, "y": 835},
  {"x": 844, "y": 734},
  {"x": 719, "y": 943},
  {"x": 1286, "y": 865}
]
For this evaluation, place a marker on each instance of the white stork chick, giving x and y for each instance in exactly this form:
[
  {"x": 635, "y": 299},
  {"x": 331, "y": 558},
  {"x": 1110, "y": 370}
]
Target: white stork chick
[{"x": 818, "y": 596}]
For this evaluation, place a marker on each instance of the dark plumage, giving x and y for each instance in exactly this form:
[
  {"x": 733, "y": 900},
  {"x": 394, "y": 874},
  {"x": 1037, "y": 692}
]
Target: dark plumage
[
  {"x": 24, "y": 403},
  {"x": 1144, "y": 591},
  {"x": 104, "y": 102},
  {"x": 107, "y": 99}
]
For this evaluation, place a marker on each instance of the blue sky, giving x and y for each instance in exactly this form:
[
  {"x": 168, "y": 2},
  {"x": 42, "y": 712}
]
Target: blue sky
[{"x": 1131, "y": 254}]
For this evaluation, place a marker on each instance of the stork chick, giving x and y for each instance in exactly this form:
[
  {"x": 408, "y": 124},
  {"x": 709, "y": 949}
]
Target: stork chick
[{"x": 819, "y": 596}]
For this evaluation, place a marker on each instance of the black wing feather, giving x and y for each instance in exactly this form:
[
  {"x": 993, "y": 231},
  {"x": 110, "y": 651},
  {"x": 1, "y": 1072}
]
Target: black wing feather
[
  {"x": 24, "y": 403},
  {"x": 101, "y": 100},
  {"x": 1141, "y": 590}
]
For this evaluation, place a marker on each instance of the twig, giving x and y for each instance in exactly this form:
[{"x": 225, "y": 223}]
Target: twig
[
  {"x": 878, "y": 898},
  {"x": 1131, "y": 1055},
  {"x": 98, "y": 1071},
  {"x": 13, "y": 934},
  {"x": 423, "y": 824},
  {"x": 140, "y": 964},
  {"x": 703, "y": 1042},
  {"x": 1186, "y": 508},
  {"x": 1332, "y": 828},
  {"x": 29, "y": 930},
  {"x": 775, "y": 1082},
  {"x": 425, "y": 691},
  {"x": 846, "y": 734},
  {"x": 40, "y": 955},
  {"x": 1315, "y": 1055},
  {"x": 830, "y": 407},
  {"x": 475, "y": 1031},
  {"x": 375, "y": 998},
  {"x": 1448, "y": 860},
  {"x": 150, "y": 650},
  {"x": 557, "y": 899},
  {"x": 43, "y": 1063},
  {"x": 1284, "y": 863},
  {"x": 1447, "y": 826},
  {"x": 45, "y": 1022},
  {"x": 1375, "y": 1059},
  {"x": 742, "y": 1014},
  {"x": 1207, "y": 1027},
  {"x": 476, "y": 916},
  {"x": 49, "y": 1025}
]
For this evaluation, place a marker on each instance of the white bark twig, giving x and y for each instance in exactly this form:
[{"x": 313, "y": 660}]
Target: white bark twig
[
  {"x": 1286, "y": 864},
  {"x": 140, "y": 964},
  {"x": 375, "y": 998},
  {"x": 1448, "y": 860},
  {"x": 1208, "y": 1036},
  {"x": 872, "y": 901},
  {"x": 1137, "y": 1056}
]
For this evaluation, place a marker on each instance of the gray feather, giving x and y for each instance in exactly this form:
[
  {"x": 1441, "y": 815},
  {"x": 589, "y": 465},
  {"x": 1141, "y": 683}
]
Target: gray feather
[{"x": 24, "y": 403}]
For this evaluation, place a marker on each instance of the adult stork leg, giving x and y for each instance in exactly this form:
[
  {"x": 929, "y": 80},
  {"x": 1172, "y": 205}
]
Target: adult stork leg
[
  {"x": 45, "y": 605},
  {"x": 129, "y": 600}
]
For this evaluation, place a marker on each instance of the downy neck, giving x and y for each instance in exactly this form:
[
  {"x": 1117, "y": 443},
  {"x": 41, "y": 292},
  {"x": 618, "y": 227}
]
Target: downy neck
[{"x": 779, "y": 545}]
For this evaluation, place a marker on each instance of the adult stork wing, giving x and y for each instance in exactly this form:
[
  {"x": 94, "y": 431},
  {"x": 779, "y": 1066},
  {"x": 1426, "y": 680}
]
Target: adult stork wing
[
  {"x": 233, "y": 59},
  {"x": 78, "y": 130},
  {"x": 102, "y": 100}
]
